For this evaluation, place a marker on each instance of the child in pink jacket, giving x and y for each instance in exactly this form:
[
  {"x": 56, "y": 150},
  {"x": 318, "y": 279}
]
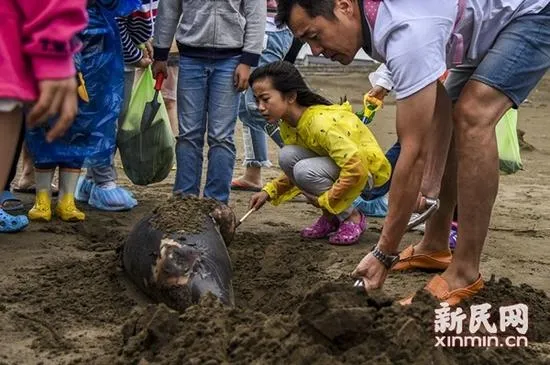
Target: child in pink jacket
[{"x": 36, "y": 48}]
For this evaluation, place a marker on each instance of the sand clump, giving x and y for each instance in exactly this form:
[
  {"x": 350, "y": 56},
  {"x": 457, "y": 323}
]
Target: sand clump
[
  {"x": 182, "y": 214},
  {"x": 333, "y": 325}
]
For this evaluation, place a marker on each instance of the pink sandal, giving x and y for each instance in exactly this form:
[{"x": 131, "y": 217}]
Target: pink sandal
[
  {"x": 321, "y": 228},
  {"x": 349, "y": 232}
]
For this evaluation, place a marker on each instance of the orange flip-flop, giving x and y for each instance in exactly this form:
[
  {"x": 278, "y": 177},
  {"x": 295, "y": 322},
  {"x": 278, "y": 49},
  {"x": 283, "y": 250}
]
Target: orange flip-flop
[
  {"x": 439, "y": 288},
  {"x": 434, "y": 261}
]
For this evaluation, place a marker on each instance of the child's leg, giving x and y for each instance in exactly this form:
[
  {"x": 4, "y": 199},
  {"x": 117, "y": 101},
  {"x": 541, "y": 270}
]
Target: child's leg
[
  {"x": 255, "y": 144},
  {"x": 8, "y": 201},
  {"x": 66, "y": 208},
  {"x": 42, "y": 209},
  {"x": 317, "y": 175},
  {"x": 289, "y": 158},
  {"x": 106, "y": 195},
  {"x": 192, "y": 97},
  {"x": 169, "y": 91},
  {"x": 10, "y": 126}
]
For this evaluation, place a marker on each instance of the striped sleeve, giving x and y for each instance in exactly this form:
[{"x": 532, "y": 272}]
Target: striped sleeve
[
  {"x": 140, "y": 22},
  {"x": 130, "y": 52}
]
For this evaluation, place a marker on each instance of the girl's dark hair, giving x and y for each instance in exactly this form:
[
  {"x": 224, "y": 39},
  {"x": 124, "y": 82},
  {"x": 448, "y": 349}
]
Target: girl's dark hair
[{"x": 287, "y": 79}]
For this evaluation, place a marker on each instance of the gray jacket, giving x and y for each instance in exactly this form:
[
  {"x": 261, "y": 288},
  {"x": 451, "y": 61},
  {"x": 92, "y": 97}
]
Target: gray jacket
[{"x": 211, "y": 28}]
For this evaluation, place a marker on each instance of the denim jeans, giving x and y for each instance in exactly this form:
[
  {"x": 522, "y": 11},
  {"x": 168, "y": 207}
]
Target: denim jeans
[
  {"x": 207, "y": 103},
  {"x": 254, "y": 136}
]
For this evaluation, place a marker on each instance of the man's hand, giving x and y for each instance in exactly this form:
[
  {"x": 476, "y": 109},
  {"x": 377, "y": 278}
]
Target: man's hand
[
  {"x": 56, "y": 97},
  {"x": 240, "y": 79},
  {"x": 378, "y": 92},
  {"x": 160, "y": 67},
  {"x": 371, "y": 271},
  {"x": 258, "y": 200}
]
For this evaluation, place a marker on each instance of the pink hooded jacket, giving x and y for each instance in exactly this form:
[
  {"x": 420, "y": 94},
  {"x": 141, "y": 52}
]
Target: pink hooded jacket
[{"x": 37, "y": 43}]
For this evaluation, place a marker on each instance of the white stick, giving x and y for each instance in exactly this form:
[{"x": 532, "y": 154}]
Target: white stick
[{"x": 246, "y": 216}]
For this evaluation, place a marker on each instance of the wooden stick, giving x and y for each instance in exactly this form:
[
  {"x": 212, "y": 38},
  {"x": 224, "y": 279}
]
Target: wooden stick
[{"x": 245, "y": 216}]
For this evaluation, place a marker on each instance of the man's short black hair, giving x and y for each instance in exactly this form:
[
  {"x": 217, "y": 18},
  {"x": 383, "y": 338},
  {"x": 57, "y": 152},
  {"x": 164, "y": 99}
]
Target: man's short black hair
[{"x": 313, "y": 8}]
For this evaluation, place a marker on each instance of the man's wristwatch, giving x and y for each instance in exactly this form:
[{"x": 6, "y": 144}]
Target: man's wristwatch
[{"x": 387, "y": 260}]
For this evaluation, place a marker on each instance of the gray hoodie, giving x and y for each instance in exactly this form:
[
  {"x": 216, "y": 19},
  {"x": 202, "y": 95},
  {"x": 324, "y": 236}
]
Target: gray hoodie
[{"x": 211, "y": 28}]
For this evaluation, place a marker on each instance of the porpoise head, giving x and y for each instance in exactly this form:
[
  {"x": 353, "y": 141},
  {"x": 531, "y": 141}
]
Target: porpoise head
[
  {"x": 226, "y": 221},
  {"x": 173, "y": 272}
]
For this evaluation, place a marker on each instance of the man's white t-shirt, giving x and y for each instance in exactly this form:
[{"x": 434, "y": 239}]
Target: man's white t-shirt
[{"x": 411, "y": 37}]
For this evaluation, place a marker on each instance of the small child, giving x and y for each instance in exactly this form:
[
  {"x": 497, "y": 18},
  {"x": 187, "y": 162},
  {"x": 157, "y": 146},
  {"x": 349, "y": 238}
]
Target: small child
[
  {"x": 37, "y": 39},
  {"x": 99, "y": 187},
  {"x": 329, "y": 154},
  {"x": 91, "y": 139}
]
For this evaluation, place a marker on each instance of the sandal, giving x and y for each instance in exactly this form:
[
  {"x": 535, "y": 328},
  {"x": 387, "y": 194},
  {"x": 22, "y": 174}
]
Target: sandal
[
  {"x": 31, "y": 189},
  {"x": 349, "y": 232},
  {"x": 10, "y": 202},
  {"x": 242, "y": 186},
  {"x": 434, "y": 261},
  {"x": 12, "y": 223},
  {"x": 321, "y": 228},
  {"x": 439, "y": 288},
  {"x": 432, "y": 205}
]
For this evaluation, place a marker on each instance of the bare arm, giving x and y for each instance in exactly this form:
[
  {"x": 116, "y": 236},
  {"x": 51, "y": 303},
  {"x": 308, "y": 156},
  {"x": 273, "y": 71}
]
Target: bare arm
[{"x": 414, "y": 123}]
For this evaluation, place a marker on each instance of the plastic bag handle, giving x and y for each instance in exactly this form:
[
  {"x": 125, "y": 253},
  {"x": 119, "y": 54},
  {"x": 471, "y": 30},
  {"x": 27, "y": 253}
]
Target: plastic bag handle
[{"x": 160, "y": 79}]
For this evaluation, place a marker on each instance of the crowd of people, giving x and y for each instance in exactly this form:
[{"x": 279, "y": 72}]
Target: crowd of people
[{"x": 454, "y": 66}]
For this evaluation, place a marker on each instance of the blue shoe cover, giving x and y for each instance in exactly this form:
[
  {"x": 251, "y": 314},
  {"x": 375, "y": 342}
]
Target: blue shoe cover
[
  {"x": 83, "y": 189},
  {"x": 114, "y": 199},
  {"x": 373, "y": 208}
]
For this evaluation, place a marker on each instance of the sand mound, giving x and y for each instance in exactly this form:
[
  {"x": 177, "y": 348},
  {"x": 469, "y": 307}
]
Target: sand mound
[
  {"x": 334, "y": 324},
  {"x": 182, "y": 213}
]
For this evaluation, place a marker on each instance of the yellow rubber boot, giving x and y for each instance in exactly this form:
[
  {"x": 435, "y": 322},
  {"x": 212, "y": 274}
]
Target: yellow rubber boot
[
  {"x": 67, "y": 211},
  {"x": 42, "y": 209}
]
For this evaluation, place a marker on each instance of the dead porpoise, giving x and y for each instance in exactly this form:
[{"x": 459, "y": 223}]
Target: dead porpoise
[{"x": 179, "y": 253}]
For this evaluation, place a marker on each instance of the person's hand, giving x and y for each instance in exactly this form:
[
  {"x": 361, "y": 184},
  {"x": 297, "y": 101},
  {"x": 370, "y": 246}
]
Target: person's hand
[
  {"x": 160, "y": 67},
  {"x": 378, "y": 92},
  {"x": 144, "y": 62},
  {"x": 149, "y": 49},
  {"x": 312, "y": 199},
  {"x": 258, "y": 200},
  {"x": 240, "y": 79},
  {"x": 371, "y": 271},
  {"x": 56, "y": 97}
]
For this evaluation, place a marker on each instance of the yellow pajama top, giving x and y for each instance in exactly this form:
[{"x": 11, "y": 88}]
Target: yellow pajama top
[{"x": 334, "y": 131}]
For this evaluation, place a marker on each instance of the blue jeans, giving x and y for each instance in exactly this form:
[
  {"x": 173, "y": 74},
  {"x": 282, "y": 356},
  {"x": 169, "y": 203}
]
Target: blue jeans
[
  {"x": 516, "y": 62},
  {"x": 254, "y": 136},
  {"x": 207, "y": 102}
]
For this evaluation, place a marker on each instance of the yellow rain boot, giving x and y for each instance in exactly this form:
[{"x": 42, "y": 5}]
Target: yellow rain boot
[
  {"x": 67, "y": 211},
  {"x": 42, "y": 209}
]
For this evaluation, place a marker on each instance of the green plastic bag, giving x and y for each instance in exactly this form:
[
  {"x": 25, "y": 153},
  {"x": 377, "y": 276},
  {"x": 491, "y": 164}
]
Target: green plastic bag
[
  {"x": 508, "y": 144},
  {"x": 148, "y": 155}
]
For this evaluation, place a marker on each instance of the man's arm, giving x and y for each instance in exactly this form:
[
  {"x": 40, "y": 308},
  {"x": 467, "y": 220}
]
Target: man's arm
[{"x": 414, "y": 122}]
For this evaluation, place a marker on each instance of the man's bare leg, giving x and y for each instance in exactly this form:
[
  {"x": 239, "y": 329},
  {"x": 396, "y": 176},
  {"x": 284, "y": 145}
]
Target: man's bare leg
[
  {"x": 475, "y": 116},
  {"x": 441, "y": 136}
]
